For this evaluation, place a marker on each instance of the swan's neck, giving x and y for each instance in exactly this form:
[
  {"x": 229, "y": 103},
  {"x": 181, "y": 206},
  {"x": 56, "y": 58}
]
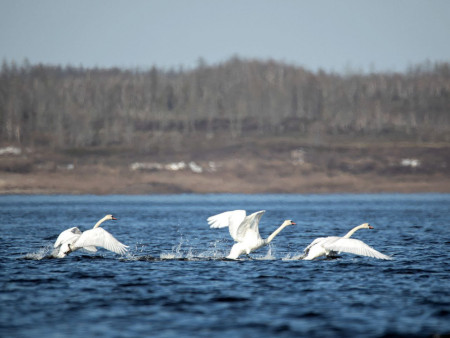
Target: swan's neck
[
  {"x": 100, "y": 222},
  {"x": 276, "y": 232},
  {"x": 351, "y": 232}
]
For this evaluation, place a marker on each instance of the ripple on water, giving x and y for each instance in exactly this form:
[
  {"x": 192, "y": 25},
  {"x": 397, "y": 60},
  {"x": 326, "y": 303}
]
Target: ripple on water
[{"x": 175, "y": 281}]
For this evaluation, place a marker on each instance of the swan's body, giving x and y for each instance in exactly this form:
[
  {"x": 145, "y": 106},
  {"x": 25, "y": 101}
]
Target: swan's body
[
  {"x": 244, "y": 230},
  {"x": 329, "y": 246},
  {"x": 73, "y": 239}
]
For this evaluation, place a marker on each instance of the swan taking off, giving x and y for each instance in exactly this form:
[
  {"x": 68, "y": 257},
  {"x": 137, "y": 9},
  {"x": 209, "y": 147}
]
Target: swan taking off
[
  {"x": 325, "y": 246},
  {"x": 244, "y": 230},
  {"x": 73, "y": 239}
]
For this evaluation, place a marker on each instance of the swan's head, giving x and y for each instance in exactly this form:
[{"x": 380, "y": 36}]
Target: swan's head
[
  {"x": 110, "y": 217},
  {"x": 63, "y": 251},
  {"x": 366, "y": 226},
  {"x": 288, "y": 222}
]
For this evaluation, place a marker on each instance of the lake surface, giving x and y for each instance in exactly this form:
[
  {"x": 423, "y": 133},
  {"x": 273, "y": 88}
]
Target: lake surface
[{"x": 175, "y": 283}]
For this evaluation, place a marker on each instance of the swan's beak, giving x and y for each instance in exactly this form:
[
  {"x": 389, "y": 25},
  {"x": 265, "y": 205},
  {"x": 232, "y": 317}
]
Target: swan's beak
[
  {"x": 113, "y": 218},
  {"x": 370, "y": 227},
  {"x": 293, "y": 223}
]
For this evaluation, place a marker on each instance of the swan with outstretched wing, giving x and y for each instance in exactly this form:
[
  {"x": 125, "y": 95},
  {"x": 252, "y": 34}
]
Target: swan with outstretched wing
[
  {"x": 244, "y": 230},
  {"x": 329, "y": 246},
  {"x": 73, "y": 239}
]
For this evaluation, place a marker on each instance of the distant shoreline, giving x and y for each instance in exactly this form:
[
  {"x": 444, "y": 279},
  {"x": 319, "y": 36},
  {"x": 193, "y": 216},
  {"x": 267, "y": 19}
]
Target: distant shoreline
[
  {"x": 167, "y": 183},
  {"x": 261, "y": 168}
]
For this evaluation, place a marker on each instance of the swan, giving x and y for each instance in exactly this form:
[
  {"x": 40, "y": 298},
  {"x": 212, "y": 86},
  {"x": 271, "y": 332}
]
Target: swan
[
  {"x": 326, "y": 246},
  {"x": 244, "y": 230},
  {"x": 73, "y": 239}
]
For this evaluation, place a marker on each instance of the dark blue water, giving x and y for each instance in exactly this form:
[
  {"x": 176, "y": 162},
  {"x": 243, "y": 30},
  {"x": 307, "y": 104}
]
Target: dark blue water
[{"x": 175, "y": 283}]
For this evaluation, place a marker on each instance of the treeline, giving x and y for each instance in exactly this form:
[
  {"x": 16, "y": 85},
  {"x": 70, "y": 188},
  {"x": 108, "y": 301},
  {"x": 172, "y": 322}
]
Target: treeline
[{"x": 70, "y": 107}]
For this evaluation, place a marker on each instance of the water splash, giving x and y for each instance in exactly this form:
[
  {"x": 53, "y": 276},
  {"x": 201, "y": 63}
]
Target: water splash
[
  {"x": 176, "y": 252},
  {"x": 130, "y": 256},
  {"x": 44, "y": 252},
  {"x": 293, "y": 257},
  {"x": 183, "y": 250},
  {"x": 139, "y": 247},
  {"x": 269, "y": 255},
  {"x": 214, "y": 251}
]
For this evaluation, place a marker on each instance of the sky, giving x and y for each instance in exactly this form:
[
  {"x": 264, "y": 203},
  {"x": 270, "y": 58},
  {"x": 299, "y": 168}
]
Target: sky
[{"x": 332, "y": 35}]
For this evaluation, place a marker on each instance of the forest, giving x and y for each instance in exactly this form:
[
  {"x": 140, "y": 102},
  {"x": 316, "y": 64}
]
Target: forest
[{"x": 77, "y": 108}]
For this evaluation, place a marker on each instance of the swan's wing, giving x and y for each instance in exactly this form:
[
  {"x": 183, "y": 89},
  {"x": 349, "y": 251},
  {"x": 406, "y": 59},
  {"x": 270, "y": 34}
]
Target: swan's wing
[
  {"x": 69, "y": 235},
  {"x": 102, "y": 238},
  {"x": 248, "y": 229},
  {"x": 354, "y": 246},
  {"x": 314, "y": 242},
  {"x": 90, "y": 248},
  {"x": 230, "y": 219}
]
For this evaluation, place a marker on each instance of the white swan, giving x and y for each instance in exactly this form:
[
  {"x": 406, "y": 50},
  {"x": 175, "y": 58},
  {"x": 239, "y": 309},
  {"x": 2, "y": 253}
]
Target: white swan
[
  {"x": 73, "y": 239},
  {"x": 244, "y": 230},
  {"x": 325, "y": 246}
]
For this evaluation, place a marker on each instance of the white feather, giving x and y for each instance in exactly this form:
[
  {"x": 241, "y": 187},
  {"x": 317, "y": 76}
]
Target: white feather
[
  {"x": 101, "y": 238},
  {"x": 69, "y": 235},
  {"x": 325, "y": 246},
  {"x": 355, "y": 246},
  {"x": 244, "y": 230},
  {"x": 73, "y": 239}
]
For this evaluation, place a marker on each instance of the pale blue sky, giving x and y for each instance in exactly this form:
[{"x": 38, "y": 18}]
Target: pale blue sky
[{"x": 329, "y": 34}]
